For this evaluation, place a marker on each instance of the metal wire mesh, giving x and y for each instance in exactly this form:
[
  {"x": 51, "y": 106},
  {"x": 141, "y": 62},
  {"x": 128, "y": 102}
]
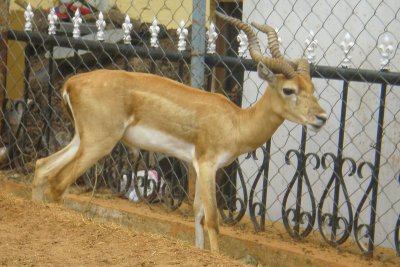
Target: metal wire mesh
[{"x": 343, "y": 181}]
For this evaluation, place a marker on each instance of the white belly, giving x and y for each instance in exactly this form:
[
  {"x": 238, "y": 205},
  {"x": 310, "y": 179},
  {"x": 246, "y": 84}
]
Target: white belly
[{"x": 157, "y": 141}]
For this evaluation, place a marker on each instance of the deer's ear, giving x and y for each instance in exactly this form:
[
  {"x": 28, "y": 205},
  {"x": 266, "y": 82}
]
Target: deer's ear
[{"x": 265, "y": 73}]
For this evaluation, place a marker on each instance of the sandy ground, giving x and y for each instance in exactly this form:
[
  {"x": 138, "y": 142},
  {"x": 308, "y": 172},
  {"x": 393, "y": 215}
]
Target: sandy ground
[{"x": 33, "y": 234}]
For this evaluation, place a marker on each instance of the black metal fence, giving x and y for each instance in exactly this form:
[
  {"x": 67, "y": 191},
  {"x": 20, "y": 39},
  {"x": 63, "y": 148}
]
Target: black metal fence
[{"x": 331, "y": 184}]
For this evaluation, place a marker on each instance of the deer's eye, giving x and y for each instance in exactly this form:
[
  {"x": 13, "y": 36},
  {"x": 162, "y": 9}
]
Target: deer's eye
[{"x": 288, "y": 91}]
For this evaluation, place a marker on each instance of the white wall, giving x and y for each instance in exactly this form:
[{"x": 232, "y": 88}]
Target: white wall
[{"x": 366, "y": 21}]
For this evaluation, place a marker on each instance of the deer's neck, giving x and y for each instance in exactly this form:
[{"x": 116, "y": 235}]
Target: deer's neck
[{"x": 257, "y": 124}]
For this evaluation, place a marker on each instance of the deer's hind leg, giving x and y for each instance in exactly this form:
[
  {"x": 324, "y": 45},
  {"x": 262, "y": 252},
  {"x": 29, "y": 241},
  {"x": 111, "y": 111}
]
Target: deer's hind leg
[
  {"x": 91, "y": 149},
  {"x": 55, "y": 173},
  {"x": 50, "y": 166}
]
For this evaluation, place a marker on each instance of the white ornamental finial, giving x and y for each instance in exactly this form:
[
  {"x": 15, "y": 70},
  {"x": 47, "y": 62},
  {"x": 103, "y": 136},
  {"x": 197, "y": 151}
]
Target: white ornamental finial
[
  {"x": 212, "y": 36},
  {"x": 127, "y": 28},
  {"x": 154, "y": 31},
  {"x": 385, "y": 49},
  {"x": 52, "y": 18},
  {"x": 28, "y": 14},
  {"x": 100, "y": 24},
  {"x": 76, "y": 20},
  {"x": 243, "y": 43},
  {"x": 182, "y": 33},
  {"x": 346, "y": 46},
  {"x": 311, "y": 45}
]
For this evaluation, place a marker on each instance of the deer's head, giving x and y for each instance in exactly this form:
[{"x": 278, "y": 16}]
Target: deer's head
[{"x": 290, "y": 84}]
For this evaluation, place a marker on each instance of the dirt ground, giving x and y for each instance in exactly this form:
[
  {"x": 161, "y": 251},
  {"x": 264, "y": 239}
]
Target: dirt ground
[{"x": 33, "y": 234}]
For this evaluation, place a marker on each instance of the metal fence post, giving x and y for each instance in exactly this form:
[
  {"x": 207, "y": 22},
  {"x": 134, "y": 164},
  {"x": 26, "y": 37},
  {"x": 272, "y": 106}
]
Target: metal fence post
[{"x": 198, "y": 43}]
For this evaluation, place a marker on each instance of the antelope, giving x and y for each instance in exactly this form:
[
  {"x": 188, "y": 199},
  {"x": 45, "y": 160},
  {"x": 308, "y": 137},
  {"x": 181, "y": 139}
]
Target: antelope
[{"x": 204, "y": 129}]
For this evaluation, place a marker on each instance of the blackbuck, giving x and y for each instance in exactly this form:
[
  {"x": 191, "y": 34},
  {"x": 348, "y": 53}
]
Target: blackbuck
[{"x": 206, "y": 130}]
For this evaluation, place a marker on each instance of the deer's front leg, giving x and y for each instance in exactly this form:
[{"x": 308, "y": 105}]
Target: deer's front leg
[
  {"x": 198, "y": 208},
  {"x": 205, "y": 185}
]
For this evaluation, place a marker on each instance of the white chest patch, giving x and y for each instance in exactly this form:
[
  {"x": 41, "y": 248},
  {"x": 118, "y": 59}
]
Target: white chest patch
[
  {"x": 224, "y": 159},
  {"x": 157, "y": 141}
]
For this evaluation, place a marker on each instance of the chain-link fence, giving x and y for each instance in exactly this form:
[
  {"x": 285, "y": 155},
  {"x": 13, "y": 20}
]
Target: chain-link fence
[{"x": 342, "y": 182}]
